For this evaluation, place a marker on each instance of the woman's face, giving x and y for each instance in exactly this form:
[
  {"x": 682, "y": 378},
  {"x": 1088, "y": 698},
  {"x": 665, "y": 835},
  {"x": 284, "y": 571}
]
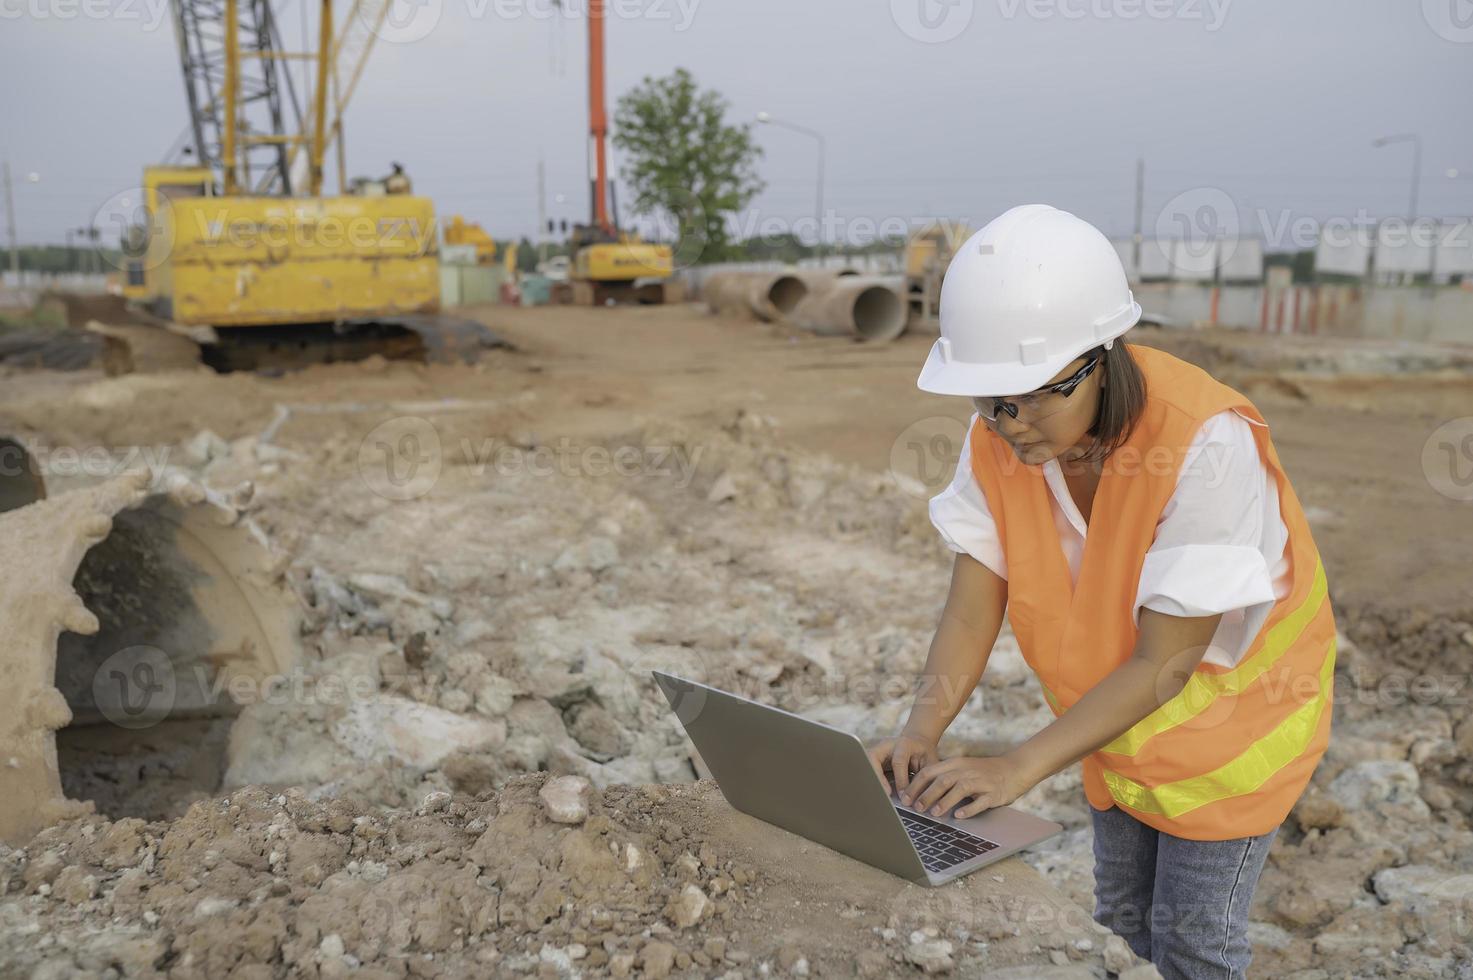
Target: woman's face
[{"x": 1049, "y": 424}]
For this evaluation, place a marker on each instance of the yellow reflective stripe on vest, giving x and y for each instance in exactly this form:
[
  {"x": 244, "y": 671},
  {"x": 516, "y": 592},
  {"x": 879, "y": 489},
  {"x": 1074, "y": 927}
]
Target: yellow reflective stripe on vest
[
  {"x": 1243, "y": 774},
  {"x": 1204, "y": 688}
]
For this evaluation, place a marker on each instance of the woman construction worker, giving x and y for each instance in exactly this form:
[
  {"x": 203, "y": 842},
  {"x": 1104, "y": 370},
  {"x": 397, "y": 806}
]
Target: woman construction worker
[{"x": 1130, "y": 515}]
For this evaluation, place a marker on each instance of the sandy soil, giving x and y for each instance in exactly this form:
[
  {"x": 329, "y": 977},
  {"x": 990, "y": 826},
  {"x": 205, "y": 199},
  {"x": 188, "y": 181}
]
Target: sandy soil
[{"x": 492, "y": 556}]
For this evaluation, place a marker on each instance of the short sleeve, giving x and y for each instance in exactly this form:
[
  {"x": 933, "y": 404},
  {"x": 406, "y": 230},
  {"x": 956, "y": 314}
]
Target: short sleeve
[
  {"x": 1208, "y": 556},
  {"x": 961, "y": 515}
]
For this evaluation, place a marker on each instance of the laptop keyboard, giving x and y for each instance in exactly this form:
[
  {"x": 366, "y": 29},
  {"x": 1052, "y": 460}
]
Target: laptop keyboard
[{"x": 940, "y": 845}]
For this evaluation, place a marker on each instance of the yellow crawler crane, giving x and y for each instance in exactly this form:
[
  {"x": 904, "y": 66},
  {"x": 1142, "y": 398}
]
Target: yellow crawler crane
[{"x": 260, "y": 276}]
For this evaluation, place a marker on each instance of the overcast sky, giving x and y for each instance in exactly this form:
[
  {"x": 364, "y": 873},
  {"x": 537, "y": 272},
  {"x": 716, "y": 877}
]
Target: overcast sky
[{"x": 958, "y": 108}]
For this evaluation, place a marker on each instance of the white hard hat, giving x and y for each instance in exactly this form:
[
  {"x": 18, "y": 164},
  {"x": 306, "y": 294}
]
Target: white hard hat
[{"x": 1021, "y": 299}]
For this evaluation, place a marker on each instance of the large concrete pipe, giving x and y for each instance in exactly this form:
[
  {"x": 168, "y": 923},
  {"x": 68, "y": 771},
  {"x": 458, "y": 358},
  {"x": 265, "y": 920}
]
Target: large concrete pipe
[
  {"x": 819, "y": 279},
  {"x": 766, "y": 295},
  {"x": 725, "y": 294},
  {"x": 869, "y": 308},
  {"x": 128, "y": 607},
  {"x": 776, "y": 295},
  {"x": 20, "y": 478}
]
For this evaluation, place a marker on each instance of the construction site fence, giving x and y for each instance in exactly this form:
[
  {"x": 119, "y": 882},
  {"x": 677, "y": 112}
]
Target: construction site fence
[{"x": 1420, "y": 313}]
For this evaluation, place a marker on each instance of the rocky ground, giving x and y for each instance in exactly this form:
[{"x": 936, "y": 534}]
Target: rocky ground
[
  {"x": 633, "y": 880},
  {"x": 488, "y": 579}
]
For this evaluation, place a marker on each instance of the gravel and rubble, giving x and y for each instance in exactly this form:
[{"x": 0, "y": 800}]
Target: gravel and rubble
[{"x": 651, "y": 881}]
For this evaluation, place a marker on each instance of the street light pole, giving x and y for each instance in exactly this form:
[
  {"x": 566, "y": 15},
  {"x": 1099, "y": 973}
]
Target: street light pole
[
  {"x": 1416, "y": 142},
  {"x": 768, "y": 119},
  {"x": 10, "y": 225}
]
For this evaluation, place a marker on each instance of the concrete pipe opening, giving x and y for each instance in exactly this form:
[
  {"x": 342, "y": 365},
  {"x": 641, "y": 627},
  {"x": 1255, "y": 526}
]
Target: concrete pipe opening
[
  {"x": 146, "y": 619},
  {"x": 20, "y": 479},
  {"x": 878, "y": 314},
  {"x": 785, "y": 293}
]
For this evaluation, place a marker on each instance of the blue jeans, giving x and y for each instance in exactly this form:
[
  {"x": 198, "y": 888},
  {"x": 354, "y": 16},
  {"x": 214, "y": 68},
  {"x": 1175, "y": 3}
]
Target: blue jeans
[{"x": 1182, "y": 904}]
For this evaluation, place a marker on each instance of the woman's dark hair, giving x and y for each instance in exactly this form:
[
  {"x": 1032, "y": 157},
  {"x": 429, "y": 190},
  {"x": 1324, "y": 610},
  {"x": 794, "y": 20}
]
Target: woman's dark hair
[{"x": 1122, "y": 399}]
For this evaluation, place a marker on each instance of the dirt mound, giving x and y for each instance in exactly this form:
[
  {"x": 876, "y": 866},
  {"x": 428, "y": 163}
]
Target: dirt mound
[
  {"x": 77, "y": 308},
  {"x": 525, "y": 638},
  {"x": 649, "y": 880}
]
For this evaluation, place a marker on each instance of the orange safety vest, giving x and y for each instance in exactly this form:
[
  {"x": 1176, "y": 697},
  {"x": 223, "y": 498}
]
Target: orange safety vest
[{"x": 1230, "y": 754}]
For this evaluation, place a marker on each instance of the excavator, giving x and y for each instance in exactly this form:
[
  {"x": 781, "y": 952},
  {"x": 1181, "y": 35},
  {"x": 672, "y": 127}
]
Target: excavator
[
  {"x": 610, "y": 265},
  {"x": 236, "y": 257}
]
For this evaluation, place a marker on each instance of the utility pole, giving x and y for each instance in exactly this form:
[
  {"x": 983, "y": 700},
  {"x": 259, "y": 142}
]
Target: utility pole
[
  {"x": 1140, "y": 206},
  {"x": 10, "y": 225},
  {"x": 541, "y": 210}
]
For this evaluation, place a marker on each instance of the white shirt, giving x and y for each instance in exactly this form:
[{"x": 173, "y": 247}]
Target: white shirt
[{"x": 1219, "y": 545}]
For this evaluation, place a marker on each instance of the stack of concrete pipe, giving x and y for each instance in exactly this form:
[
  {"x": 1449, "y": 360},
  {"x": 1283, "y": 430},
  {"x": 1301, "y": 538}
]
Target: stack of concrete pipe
[
  {"x": 840, "y": 303},
  {"x": 768, "y": 296},
  {"x": 868, "y": 308}
]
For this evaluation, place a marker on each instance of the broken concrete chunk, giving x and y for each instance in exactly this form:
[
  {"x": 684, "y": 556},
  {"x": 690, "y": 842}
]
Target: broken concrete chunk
[
  {"x": 599, "y": 732},
  {"x": 723, "y": 489},
  {"x": 565, "y": 799},
  {"x": 392, "y": 588},
  {"x": 657, "y": 958},
  {"x": 930, "y": 956},
  {"x": 204, "y": 447},
  {"x": 1364, "y": 784},
  {"x": 495, "y": 695},
  {"x": 687, "y": 907},
  {"x": 42, "y": 869},
  {"x": 1118, "y": 955},
  {"x": 589, "y": 555},
  {"x": 420, "y": 735},
  {"x": 1413, "y": 884}
]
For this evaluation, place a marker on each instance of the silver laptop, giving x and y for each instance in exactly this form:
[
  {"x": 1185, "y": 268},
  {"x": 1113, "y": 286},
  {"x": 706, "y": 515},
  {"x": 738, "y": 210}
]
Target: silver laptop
[{"x": 817, "y": 781}]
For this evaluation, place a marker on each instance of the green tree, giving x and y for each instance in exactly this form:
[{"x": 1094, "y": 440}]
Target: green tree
[{"x": 683, "y": 160}]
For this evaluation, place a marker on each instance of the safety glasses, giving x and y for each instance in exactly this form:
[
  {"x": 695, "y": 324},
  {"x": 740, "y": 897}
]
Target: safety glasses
[{"x": 1037, "y": 404}]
